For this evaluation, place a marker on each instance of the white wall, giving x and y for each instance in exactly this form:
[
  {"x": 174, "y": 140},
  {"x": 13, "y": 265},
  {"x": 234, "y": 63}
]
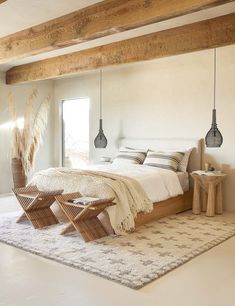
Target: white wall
[
  {"x": 170, "y": 97},
  {"x": 44, "y": 157}
]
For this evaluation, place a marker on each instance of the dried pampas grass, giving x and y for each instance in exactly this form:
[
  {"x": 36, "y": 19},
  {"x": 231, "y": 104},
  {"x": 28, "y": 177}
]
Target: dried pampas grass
[
  {"x": 26, "y": 141},
  {"x": 35, "y": 137}
]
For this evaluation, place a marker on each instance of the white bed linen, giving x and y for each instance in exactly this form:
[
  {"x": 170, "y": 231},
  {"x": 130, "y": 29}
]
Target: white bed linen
[{"x": 159, "y": 184}]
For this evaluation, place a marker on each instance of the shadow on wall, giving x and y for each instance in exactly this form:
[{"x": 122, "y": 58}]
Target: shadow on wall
[
  {"x": 120, "y": 135},
  {"x": 210, "y": 159}
]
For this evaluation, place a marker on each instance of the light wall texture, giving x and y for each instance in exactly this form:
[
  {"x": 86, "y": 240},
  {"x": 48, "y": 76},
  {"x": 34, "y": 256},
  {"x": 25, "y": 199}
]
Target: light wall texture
[
  {"x": 169, "y": 97},
  {"x": 21, "y": 93}
]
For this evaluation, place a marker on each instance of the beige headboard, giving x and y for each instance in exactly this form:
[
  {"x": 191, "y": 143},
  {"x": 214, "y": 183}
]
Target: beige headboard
[{"x": 177, "y": 144}]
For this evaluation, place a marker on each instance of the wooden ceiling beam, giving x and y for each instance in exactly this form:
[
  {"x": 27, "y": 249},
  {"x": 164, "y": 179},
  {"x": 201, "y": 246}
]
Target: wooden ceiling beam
[
  {"x": 96, "y": 21},
  {"x": 202, "y": 35}
]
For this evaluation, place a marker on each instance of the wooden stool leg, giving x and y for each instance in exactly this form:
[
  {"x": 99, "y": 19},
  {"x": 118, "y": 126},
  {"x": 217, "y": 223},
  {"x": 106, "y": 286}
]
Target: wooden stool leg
[
  {"x": 41, "y": 217},
  {"x": 196, "y": 198},
  {"x": 219, "y": 200},
  {"x": 211, "y": 201},
  {"x": 204, "y": 199},
  {"x": 90, "y": 229},
  {"x": 70, "y": 228},
  {"x": 22, "y": 218}
]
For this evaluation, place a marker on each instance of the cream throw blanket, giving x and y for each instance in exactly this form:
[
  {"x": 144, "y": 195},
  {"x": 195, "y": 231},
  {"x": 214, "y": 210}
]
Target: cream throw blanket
[{"x": 129, "y": 195}]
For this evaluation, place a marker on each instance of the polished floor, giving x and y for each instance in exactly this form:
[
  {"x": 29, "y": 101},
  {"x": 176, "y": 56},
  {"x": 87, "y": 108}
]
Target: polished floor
[{"x": 29, "y": 280}]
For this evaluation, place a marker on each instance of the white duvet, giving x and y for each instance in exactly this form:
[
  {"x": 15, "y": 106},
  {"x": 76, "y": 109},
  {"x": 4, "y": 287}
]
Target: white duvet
[{"x": 159, "y": 184}]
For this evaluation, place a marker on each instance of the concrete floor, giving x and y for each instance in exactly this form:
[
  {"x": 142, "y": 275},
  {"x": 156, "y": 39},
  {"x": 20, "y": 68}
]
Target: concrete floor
[{"x": 29, "y": 280}]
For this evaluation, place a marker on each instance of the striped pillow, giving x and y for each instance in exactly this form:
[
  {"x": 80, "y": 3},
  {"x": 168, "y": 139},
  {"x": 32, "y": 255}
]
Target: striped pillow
[
  {"x": 129, "y": 156},
  {"x": 165, "y": 160}
]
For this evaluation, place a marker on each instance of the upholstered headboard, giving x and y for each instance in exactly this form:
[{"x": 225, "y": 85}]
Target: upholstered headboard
[{"x": 174, "y": 144}]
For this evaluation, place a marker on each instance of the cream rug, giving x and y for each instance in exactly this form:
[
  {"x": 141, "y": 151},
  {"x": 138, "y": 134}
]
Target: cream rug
[{"x": 133, "y": 260}]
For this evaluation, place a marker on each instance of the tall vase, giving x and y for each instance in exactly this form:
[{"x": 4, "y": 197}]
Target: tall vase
[{"x": 18, "y": 174}]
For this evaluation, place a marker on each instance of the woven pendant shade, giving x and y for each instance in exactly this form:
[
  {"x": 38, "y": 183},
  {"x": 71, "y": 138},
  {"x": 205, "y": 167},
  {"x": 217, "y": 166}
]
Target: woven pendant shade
[
  {"x": 100, "y": 140},
  {"x": 214, "y": 138}
]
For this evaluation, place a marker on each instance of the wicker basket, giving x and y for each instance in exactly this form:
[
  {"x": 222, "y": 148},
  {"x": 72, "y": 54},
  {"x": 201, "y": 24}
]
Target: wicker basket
[{"x": 18, "y": 174}]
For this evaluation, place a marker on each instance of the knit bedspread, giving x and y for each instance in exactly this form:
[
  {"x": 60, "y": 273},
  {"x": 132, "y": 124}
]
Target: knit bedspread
[{"x": 130, "y": 197}]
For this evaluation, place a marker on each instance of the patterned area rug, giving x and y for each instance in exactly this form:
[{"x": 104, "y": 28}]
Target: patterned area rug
[{"x": 133, "y": 260}]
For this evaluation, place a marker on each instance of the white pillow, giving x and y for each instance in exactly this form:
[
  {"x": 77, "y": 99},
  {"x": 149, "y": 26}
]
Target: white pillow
[
  {"x": 129, "y": 156},
  {"x": 184, "y": 162},
  {"x": 165, "y": 160},
  {"x": 183, "y": 165}
]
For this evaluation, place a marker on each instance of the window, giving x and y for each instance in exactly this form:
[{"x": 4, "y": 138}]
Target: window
[{"x": 75, "y": 132}]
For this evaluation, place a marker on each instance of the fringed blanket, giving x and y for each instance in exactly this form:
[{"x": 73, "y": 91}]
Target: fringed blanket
[{"x": 128, "y": 193}]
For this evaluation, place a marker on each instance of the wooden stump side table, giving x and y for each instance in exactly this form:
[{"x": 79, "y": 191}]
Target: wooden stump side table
[
  {"x": 207, "y": 195},
  {"x": 36, "y": 205},
  {"x": 84, "y": 218}
]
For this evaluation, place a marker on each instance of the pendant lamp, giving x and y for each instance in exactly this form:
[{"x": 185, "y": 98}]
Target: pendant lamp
[
  {"x": 213, "y": 137},
  {"x": 100, "y": 140}
]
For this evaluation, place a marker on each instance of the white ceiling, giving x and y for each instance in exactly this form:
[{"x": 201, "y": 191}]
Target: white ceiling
[{"x": 16, "y": 15}]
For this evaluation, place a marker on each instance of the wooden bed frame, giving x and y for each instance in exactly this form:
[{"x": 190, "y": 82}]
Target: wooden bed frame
[
  {"x": 165, "y": 208},
  {"x": 161, "y": 209}
]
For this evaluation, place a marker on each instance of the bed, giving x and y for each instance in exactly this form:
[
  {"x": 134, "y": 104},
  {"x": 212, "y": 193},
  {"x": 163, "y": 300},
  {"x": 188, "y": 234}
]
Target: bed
[
  {"x": 179, "y": 199},
  {"x": 176, "y": 204}
]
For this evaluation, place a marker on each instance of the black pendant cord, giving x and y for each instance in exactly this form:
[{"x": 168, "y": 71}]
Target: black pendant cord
[
  {"x": 214, "y": 124},
  {"x": 214, "y": 76},
  {"x": 100, "y": 140},
  {"x": 101, "y": 93}
]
